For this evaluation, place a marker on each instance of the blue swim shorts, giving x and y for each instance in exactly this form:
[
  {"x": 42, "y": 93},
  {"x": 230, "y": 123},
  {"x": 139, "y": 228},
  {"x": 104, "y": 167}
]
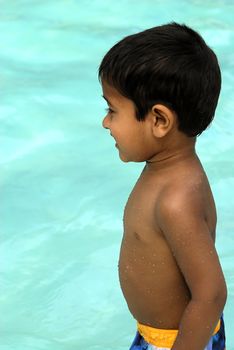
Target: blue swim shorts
[{"x": 165, "y": 338}]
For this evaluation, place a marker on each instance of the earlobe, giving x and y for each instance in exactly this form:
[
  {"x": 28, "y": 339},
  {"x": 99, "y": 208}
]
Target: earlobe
[{"x": 163, "y": 120}]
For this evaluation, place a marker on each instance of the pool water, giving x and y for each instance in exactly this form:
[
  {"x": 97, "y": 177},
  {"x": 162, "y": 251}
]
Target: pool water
[{"x": 62, "y": 185}]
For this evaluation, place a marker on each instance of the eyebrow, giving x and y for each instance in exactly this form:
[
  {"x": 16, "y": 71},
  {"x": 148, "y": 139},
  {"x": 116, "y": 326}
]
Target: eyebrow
[{"x": 107, "y": 100}]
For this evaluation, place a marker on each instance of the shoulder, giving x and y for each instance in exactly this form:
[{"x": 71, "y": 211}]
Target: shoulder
[{"x": 182, "y": 196}]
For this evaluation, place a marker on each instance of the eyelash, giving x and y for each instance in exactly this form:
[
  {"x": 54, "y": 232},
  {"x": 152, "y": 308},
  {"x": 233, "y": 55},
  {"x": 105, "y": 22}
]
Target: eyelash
[{"x": 109, "y": 110}]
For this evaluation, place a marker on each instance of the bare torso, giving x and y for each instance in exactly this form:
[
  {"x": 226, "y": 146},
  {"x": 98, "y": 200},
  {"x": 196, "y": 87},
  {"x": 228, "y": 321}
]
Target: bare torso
[{"x": 151, "y": 281}]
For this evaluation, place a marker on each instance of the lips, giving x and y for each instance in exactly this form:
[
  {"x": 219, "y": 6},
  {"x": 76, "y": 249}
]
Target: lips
[{"x": 116, "y": 145}]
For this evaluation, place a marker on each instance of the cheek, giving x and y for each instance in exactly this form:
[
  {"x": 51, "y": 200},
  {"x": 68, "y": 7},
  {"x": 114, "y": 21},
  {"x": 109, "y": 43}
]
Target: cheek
[{"x": 117, "y": 130}]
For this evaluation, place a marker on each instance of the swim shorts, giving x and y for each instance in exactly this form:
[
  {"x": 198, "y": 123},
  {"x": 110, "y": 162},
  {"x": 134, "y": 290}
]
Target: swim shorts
[{"x": 159, "y": 339}]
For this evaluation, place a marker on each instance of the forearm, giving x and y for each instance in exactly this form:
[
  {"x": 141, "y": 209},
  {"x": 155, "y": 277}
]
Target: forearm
[{"x": 197, "y": 324}]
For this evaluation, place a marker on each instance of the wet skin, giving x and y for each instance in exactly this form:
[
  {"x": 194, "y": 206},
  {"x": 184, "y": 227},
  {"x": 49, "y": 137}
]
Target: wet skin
[
  {"x": 168, "y": 266},
  {"x": 151, "y": 280}
]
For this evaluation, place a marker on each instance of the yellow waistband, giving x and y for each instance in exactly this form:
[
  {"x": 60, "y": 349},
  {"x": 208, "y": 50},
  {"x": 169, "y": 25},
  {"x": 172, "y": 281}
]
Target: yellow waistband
[{"x": 164, "y": 338}]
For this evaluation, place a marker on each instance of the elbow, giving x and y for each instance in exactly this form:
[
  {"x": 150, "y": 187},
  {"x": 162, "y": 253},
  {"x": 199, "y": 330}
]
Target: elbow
[
  {"x": 215, "y": 295},
  {"x": 219, "y": 296},
  {"x": 222, "y": 295}
]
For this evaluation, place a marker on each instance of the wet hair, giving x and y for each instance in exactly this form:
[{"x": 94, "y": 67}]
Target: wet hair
[{"x": 169, "y": 64}]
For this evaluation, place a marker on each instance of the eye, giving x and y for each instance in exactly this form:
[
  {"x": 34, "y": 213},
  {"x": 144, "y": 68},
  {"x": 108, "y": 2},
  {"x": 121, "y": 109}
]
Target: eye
[{"x": 109, "y": 110}]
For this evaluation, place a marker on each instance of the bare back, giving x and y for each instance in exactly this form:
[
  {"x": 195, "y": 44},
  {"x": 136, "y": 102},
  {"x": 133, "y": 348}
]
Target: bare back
[{"x": 151, "y": 281}]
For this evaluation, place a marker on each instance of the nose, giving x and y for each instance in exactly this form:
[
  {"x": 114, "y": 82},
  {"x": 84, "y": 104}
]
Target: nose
[{"x": 105, "y": 122}]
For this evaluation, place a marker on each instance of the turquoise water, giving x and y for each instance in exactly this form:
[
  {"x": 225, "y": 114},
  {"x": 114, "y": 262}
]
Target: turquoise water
[{"x": 62, "y": 186}]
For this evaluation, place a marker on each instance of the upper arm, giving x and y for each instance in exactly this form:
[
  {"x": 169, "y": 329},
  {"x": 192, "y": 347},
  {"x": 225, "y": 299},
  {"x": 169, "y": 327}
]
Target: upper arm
[{"x": 182, "y": 221}]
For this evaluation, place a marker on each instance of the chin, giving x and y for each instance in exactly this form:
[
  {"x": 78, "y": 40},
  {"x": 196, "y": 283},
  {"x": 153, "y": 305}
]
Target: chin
[{"x": 125, "y": 160}]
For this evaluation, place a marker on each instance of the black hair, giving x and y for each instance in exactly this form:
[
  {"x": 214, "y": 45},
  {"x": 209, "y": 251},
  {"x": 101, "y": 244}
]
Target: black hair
[{"x": 169, "y": 64}]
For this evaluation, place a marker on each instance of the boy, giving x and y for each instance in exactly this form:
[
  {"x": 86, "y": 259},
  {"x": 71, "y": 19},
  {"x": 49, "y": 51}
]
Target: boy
[{"x": 162, "y": 86}]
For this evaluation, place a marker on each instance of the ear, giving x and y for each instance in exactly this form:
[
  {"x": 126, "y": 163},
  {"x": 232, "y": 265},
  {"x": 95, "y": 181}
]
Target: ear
[{"x": 163, "y": 120}]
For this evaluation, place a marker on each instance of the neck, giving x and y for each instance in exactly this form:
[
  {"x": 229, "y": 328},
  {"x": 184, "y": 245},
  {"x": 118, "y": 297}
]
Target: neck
[{"x": 172, "y": 155}]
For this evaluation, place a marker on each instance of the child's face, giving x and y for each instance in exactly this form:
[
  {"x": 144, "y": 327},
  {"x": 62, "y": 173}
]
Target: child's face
[{"x": 133, "y": 137}]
